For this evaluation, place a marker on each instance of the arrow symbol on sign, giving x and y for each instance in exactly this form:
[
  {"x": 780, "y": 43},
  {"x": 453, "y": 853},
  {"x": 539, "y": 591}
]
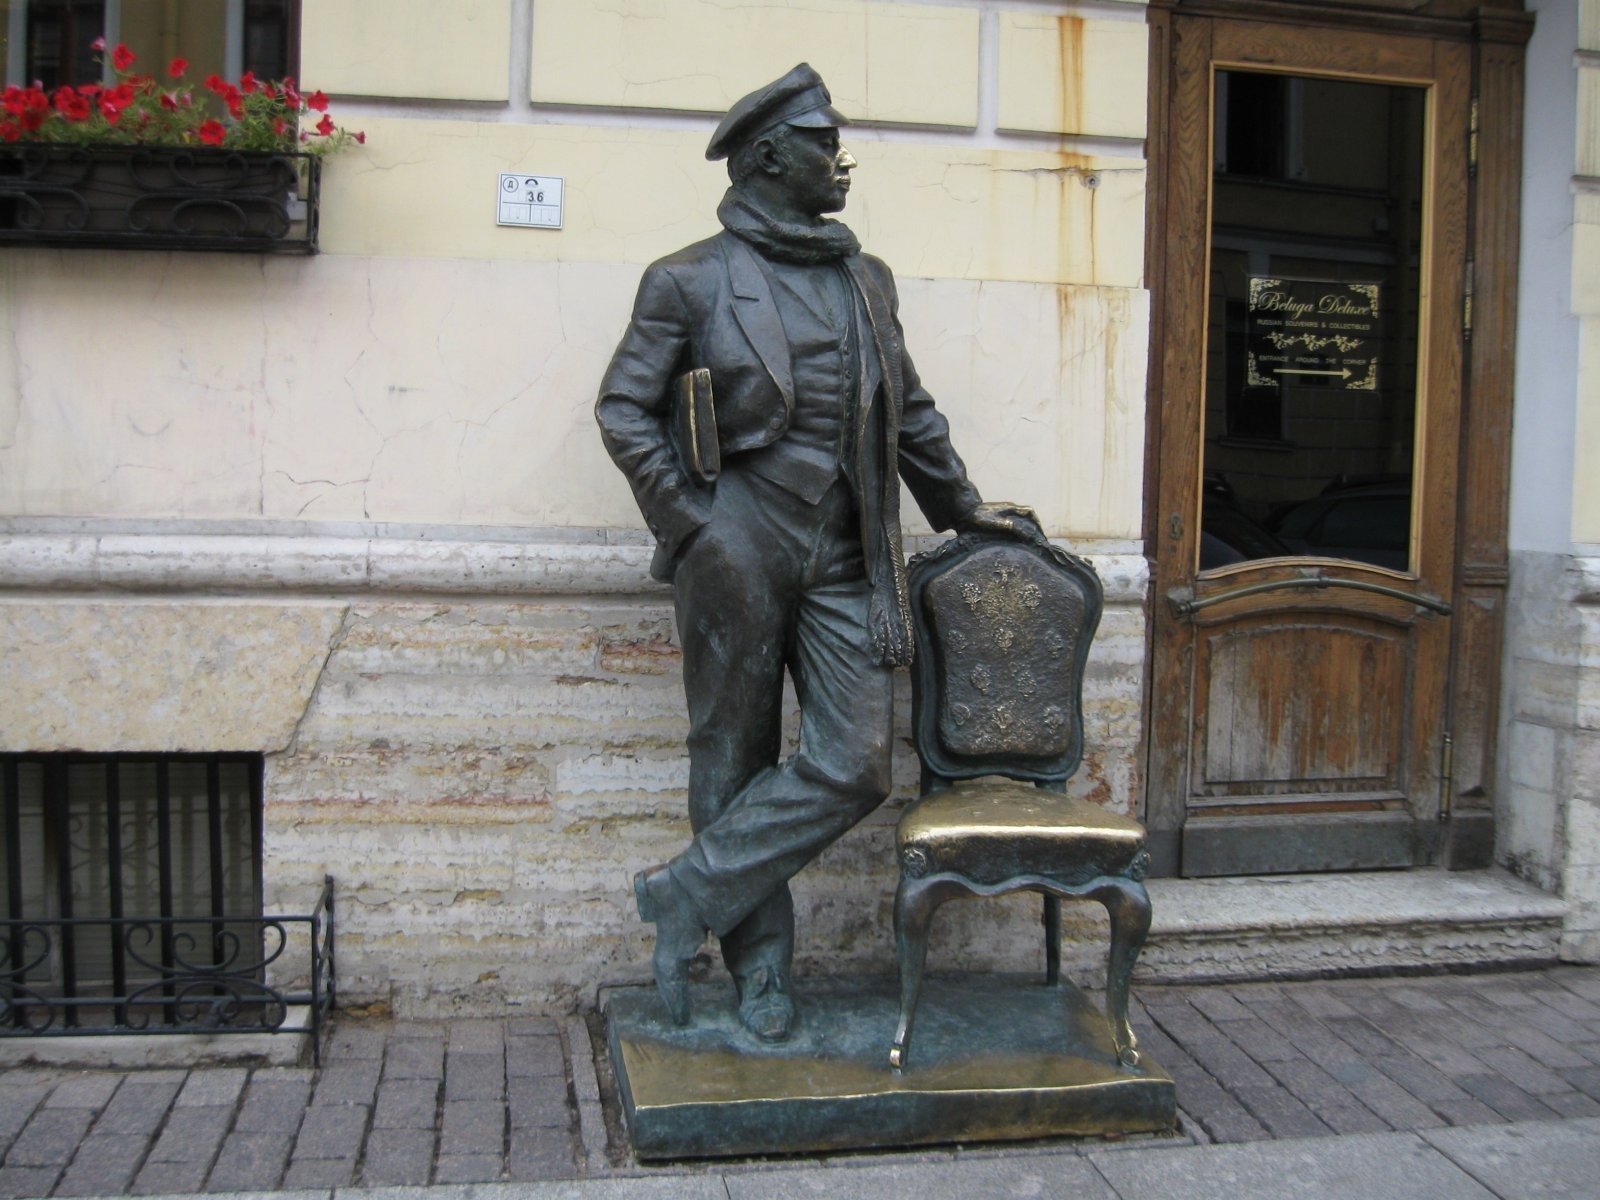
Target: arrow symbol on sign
[{"x": 1306, "y": 371}]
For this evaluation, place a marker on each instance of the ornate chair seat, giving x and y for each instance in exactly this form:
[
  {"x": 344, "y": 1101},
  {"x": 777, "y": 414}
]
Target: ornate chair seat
[{"x": 995, "y": 831}]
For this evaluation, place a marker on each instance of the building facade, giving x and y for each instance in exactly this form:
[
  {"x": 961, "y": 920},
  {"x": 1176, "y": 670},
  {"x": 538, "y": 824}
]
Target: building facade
[{"x": 326, "y": 551}]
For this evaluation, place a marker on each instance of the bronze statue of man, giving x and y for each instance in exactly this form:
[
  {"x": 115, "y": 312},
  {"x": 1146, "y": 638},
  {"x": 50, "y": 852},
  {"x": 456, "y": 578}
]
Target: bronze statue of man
[{"x": 791, "y": 556}]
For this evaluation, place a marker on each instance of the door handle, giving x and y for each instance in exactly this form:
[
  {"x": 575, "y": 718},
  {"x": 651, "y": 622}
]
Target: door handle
[{"x": 1186, "y": 605}]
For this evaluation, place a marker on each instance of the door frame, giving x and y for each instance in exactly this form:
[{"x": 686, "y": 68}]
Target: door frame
[{"x": 1495, "y": 34}]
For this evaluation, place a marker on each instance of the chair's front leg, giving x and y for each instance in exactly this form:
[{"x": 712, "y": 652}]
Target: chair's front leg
[
  {"x": 1128, "y": 905},
  {"x": 914, "y": 903}
]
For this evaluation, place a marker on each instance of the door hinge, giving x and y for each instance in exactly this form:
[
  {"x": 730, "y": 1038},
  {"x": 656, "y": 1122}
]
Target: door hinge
[
  {"x": 1472, "y": 138},
  {"x": 1447, "y": 772},
  {"x": 1466, "y": 300}
]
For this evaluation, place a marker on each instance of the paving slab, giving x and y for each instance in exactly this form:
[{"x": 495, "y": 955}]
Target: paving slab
[
  {"x": 138, "y": 1107},
  {"x": 49, "y": 1138},
  {"x": 1394, "y": 1166},
  {"x": 27, "y": 1181},
  {"x": 104, "y": 1165},
  {"x": 1532, "y": 1159},
  {"x": 84, "y": 1091},
  {"x": 661, "y": 1187},
  {"x": 250, "y": 1160},
  {"x": 1052, "y": 1175},
  {"x": 209, "y": 1088},
  {"x": 407, "y": 1104},
  {"x": 319, "y": 1172},
  {"x": 398, "y": 1156}
]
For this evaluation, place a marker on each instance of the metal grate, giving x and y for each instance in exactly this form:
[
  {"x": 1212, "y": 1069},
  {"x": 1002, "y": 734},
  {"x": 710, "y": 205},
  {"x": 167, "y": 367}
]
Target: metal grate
[{"x": 132, "y": 887}]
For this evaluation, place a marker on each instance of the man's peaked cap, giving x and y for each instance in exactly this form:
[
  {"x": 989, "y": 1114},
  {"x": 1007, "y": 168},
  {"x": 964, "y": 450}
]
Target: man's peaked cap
[{"x": 799, "y": 98}]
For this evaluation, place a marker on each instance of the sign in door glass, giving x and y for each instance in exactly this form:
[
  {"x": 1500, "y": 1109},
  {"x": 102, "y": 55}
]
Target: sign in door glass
[{"x": 1311, "y": 371}]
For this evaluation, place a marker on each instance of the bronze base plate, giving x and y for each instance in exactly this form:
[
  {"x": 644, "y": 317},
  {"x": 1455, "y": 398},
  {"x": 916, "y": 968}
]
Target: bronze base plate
[{"x": 992, "y": 1059}]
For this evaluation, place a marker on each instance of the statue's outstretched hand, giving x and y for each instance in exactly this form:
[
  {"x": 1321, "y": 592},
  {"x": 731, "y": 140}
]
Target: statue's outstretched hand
[{"x": 1003, "y": 517}]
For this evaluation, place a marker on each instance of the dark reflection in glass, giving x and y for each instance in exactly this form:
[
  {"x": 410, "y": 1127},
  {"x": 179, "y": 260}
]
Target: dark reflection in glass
[{"x": 1311, "y": 368}]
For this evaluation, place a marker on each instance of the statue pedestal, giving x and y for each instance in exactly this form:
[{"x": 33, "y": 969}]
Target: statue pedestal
[{"x": 992, "y": 1059}]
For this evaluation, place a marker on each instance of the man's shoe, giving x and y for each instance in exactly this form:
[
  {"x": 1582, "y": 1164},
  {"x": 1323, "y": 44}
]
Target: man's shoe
[
  {"x": 765, "y": 1007},
  {"x": 679, "y": 936}
]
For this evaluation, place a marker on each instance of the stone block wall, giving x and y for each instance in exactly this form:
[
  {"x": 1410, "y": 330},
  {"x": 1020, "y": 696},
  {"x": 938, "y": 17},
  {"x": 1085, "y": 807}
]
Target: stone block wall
[
  {"x": 480, "y": 745},
  {"x": 1548, "y": 798}
]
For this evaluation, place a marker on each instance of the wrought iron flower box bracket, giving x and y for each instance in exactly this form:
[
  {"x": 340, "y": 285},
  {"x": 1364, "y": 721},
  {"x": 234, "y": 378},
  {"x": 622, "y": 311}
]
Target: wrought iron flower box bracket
[
  {"x": 220, "y": 974},
  {"x": 158, "y": 198}
]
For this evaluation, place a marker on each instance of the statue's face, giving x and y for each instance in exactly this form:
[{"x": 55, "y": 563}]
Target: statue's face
[{"x": 816, "y": 169}]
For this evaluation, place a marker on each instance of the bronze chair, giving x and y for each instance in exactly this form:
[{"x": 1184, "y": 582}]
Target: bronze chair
[{"x": 1003, "y": 628}]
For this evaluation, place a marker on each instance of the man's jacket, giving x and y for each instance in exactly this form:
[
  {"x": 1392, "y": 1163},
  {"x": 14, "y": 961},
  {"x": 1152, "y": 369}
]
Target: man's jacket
[{"x": 709, "y": 305}]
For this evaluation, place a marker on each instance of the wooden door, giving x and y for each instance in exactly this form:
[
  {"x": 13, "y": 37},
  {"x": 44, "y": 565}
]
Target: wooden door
[{"x": 1304, "y": 504}]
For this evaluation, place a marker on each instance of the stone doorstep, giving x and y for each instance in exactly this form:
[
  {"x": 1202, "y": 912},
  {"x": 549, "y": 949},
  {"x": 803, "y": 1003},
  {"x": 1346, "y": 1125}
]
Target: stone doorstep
[
  {"x": 126, "y": 1051},
  {"x": 1374, "y": 922}
]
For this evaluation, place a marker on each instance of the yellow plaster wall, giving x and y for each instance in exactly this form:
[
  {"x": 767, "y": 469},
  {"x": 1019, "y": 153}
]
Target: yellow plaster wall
[
  {"x": 423, "y": 49},
  {"x": 1589, "y": 24},
  {"x": 429, "y": 188},
  {"x": 885, "y": 62},
  {"x": 1069, "y": 74},
  {"x": 461, "y": 391}
]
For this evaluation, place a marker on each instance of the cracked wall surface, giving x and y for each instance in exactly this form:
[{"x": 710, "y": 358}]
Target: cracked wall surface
[
  {"x": 460, "y": 392},
  {"x": 352, "y": 511}
]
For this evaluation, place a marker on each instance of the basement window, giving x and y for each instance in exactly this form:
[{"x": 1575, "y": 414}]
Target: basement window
[{"x": 122, "y": 875}]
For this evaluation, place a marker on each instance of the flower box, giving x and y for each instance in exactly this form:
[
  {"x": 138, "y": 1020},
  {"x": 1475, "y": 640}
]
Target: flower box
[{"x": 158, "y": 198}]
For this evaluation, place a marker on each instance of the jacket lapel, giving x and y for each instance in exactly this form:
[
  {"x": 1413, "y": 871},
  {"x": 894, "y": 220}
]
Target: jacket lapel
[{"x": 757, "y": 314}]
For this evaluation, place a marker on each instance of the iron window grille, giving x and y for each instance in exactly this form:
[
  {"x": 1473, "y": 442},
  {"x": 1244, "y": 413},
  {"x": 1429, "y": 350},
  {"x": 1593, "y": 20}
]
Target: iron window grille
[{"x": 133, "y": 896}]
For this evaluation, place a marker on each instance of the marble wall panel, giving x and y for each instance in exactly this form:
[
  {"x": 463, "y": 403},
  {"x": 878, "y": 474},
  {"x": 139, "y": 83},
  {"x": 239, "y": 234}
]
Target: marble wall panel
[
  {"x": 103, "y": 675},
  {"x": 906, "y": 63},
  {"x": 413, "y": 49},
  {"x": 482, "y": 778}
]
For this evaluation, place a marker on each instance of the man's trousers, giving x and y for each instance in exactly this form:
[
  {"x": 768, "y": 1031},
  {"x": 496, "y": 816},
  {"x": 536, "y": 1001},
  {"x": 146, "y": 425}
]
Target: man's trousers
[{"x": 771, "y": 581}]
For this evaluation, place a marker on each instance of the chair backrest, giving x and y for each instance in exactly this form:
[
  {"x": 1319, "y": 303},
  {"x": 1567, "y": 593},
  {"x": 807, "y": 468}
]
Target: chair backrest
[{"x": 1003, "y": 628}]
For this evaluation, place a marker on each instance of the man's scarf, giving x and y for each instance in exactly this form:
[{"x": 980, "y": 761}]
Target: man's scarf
[
  {"x": 786, "y": 241},
  {"x": 888, "y": 612}
]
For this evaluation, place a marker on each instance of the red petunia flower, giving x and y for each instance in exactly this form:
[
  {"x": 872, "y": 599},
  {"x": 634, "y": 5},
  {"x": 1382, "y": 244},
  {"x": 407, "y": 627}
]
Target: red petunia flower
[
  {"x": 270, "y": 92},
  {"x": 361, "y": 137},
  {"x": 279, "y": 125},
  {"x": 109, "y": 110},
  {"x": 215, "y": 83},
  {"x": 168, "y": 102},
  {"x": 88, "y": 89},
  {"x": 247, "y": 82},
  {"x": 177, "y": 67},
  {"x": 10, "y": 131},
  {"x": 121, "y": 57},
  {"x": 212, "y": 132},
  {"x": 98, "y": 45},
  {"x": 318, "y": 101},
  {"x": 235, "y": 103},
  {"x": 73, "y": 106},
  {"x": 325, "y": 126}
]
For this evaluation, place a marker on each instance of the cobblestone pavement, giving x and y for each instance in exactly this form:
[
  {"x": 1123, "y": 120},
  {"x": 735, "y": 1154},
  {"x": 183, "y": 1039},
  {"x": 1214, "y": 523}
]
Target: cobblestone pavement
[{"x": 412, "y": 1102}]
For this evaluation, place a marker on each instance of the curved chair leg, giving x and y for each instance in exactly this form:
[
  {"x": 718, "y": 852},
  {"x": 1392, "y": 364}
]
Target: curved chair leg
[
  {"x": 1052, "y": 940},
  {"x": 914, "y": 903},
  {"x": 1128, "y": 905}
]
